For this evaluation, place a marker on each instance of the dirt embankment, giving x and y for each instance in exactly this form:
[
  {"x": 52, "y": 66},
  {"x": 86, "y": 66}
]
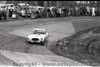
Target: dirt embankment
[{"x": 84, "y": 46}]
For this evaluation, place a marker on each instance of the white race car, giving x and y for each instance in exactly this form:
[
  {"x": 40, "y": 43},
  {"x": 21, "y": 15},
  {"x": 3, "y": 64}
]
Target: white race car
[{"x": 38, "y": 36}]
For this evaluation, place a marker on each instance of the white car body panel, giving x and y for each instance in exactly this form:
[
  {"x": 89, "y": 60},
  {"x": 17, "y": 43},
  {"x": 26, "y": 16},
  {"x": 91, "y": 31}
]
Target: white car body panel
[{"x": 40, "y": 37}]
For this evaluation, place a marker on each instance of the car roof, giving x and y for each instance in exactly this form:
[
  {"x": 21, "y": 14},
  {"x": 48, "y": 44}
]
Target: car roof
[
  {"x": 40, "y": 29},
  {"x": 9, "y": 4}
]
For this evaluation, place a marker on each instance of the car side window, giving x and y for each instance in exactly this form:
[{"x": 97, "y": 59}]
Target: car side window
[{"x": 35, "y": 31}]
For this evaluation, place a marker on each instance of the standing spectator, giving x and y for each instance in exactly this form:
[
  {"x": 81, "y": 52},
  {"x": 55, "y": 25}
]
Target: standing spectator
[
  {"x": 14, "y": 15},
  {"x": 2, "y": 14},
  {"x": 45, "y": 12},
  {"x": 69, "y": 12},
  {"x": 62, "y": 12},
  {"x": 54, "y": 11},
  {"x": 65, "y": 11},
  {"x": 36, "y": 14},
  {"x": 81, "y": 11},
  {"x": 49, "y": 13},
  {"x": 58, "y": 13},
  {"x": 5, "y": 15},
  {"x": 88, "y": 11},
  {"x": 10, "y": 13},
  {"x": 97, "y": 12},
  {"x": 84, "y": 11},
  {"x": 33, "y": 14},
  {"x": 41, "y": 13},
  {"x": 76, "y": 11},
  {"x": 93, "y": 11}
]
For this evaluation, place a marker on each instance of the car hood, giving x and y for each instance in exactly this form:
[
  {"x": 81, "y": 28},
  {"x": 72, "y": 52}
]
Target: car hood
[{"x": 36, "y": 36}]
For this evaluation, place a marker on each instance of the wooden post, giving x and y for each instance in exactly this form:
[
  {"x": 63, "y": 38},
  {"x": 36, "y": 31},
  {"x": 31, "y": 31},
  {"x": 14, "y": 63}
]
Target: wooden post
[
  {"x": 12, "y": 1},
  {"x": 26, "y": 10},
  {"x": 36, "y": 3},
  {"x": 45, "y": 5},
  {"x": 7, "y": 13},
  {"x": 50, "y": 3},
  {"x": 57, "y": 3}
]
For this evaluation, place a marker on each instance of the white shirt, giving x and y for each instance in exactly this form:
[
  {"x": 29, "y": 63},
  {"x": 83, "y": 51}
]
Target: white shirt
[{"x": 93, "y": 11}]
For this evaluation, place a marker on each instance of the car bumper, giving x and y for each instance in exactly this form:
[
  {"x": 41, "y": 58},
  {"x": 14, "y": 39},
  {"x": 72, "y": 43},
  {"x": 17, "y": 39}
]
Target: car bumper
[{"x": 39, "y": 41}]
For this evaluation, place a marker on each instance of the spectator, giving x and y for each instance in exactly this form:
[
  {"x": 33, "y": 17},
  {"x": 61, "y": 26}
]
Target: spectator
[
  {"x": 10, "y": 13},
  {"x": 76, "y": 11},
  {"x": 45, "y": 12},
  {"x": 97, "y": 12},
  {"x": 69, "y": 12},
  {"x": 93, "y": 11},
  {"x": 64, "y": 11},
  {"x": 54, "y": 11},
  {"x": 37, "y": 14},
  {"x": 14, "y": 15},
  {"x": 88, "y": 11},
  {"x": 33, "y": 14},
  {"x": 58, "y": 13},
  {"x": 4, "y": 15},
  {"x": 49, "y": 13}
]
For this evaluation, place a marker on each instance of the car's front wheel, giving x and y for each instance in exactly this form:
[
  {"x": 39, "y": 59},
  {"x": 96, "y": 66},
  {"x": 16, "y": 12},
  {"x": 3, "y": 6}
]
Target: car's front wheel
[
  {"x": 29, "y": 42},
  {"x": 45, "y": 41}
]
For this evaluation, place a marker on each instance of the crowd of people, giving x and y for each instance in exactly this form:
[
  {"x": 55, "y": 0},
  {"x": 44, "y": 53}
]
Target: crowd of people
[
  {"x": 53, "y": 12},
  {"x": 3, "y": 14},
  {"x": 75, "y": 11},
  {"x": 6, "y": 13}
]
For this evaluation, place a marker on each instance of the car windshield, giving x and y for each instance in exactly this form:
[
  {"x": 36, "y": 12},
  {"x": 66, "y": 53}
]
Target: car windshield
[
  {"x": 11, "y": 5},
  {"x": 39, "y": 32}
]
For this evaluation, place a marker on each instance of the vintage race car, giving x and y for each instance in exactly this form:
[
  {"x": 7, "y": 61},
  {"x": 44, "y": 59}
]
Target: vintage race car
[{"x": 38, "y": 36}]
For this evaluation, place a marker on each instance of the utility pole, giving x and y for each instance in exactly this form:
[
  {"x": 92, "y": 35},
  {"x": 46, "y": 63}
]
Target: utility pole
[
  {"x": 26, "y": 10},
  {"x": 12, "y": 1},
  {"x": 36, "y": 3},
  {"x": 7, "y": 13},
  {"x": 7, "y": 10},
  {"x": 57, "y": 3},
  {"x": 50, "y": 3},
  {"x": 45, "y": 5}
]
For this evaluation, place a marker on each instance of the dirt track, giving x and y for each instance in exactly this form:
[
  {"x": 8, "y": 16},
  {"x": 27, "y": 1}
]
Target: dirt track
[{"x": 13, "y": 34}]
